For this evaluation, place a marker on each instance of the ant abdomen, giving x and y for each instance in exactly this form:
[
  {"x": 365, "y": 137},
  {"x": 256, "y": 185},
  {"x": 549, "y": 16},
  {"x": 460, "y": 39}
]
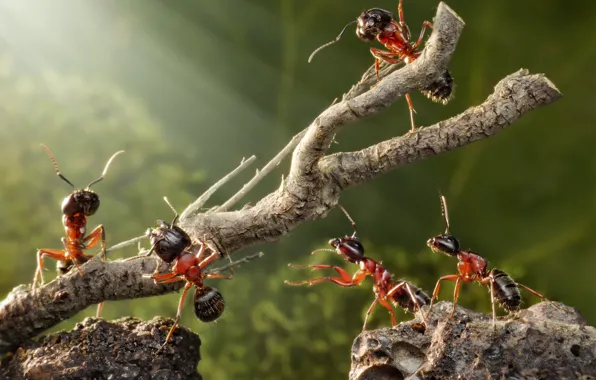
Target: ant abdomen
[
  {"x": 505, "y": 290},
  {"x": 209, "y": 304},
  {"x": 440, "y": 91},
  {"x": 403, "y": 299}
]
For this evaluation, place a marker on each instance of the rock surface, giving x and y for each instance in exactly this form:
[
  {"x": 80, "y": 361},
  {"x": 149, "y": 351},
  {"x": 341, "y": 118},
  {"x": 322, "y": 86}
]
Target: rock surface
[
  {"x": 96, "y": 349},
  {"x": 541, "y": 342}
]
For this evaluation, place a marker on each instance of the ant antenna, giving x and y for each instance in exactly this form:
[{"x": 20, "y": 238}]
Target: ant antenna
[
  {"x": 49, "y": 152},
  {"x": 173, "y": 209},
  {"x": 349, "y": 218},
  {"x": 105, "y": 170},
  {"x": 445, "y": 213},
  {"x": 330, "y": 42}
]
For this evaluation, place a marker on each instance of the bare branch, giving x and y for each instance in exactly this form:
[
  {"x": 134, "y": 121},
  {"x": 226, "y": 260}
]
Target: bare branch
[
  {"x": 196, "y": 205},
  {"x": 312, "y": 187},
  {"x": 262, "y": 173},
  {"x": 126, "y": 243}
]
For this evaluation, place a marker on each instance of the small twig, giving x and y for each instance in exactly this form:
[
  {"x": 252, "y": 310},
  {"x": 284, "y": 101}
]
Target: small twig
[
  {"x": 126, "y": 243},
  {"x": 196, "y": 205},
  {"x": 236, "y": 263},
  {"x": 262, "y": 173}
]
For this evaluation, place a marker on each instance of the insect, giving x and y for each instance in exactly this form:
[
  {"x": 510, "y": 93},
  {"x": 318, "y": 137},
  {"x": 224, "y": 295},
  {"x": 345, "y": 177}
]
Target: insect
[
  {"x": 209, "y": 303},
  {"x": 401, "y": 293},
  {"x": 379, "y": 24},
  {"x": 473, "y": 268},
  {"x": 76, "y": 207}
]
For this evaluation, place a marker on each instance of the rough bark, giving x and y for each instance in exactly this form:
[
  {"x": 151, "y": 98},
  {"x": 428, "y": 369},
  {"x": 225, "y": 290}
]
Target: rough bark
[
  {"x": 312, "y": 186},
  {"x": 96, "y": 349},
  {"x": 541, "y": 342}
]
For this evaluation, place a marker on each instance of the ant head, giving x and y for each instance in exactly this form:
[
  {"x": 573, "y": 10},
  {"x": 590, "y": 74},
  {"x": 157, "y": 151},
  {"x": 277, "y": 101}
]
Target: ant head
[
  {"x": 168, "y": 241},
  {"x": 349, "y": 247},
  {"x": 209, "y": 304},
  {"x": 372, "y": 22},
  {"x": 446, "y": 244},
  {"x": 84, "y": 202}
]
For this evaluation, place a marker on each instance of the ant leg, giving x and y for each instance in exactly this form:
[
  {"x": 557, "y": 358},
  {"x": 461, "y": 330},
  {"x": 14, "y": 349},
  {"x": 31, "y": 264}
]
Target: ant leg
[
  {"x": 163, "y": 278},
  {"x": 215, "y": 275},
  {"x": 99, "y": 309},
  {"x": 402, "y": 22},
  {"x": 412, "y": 112},
  {"x": 451, "y": 277},
  {"x": 98, "y": 234},
  {"x": 179, "y": 314},
  {"x": 369, "y": 312},
  {"x": 212, "y": 257},
  {"x": 455, "y": 295},
  {"x": 386, "y": 305},
  {"x": 419, "y": 41},
  {"x": 56, "y": 254},
  {"x": 491, "y": 283},
  {"x": 542, "y": 298},
  {"x": 345, "y": 280}
]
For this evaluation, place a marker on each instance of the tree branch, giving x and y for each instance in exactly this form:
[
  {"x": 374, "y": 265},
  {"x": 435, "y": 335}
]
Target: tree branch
[{"x": 311, "y": 189}]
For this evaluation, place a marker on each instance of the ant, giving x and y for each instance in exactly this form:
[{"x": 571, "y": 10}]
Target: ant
[
  {"x": 209, "y": 303},
  {"x": 472, "y": 267},
  {"x": 402, "y": 293},
  {"x": 380, "y": 24},
  {"x": 76, "y": 207}
]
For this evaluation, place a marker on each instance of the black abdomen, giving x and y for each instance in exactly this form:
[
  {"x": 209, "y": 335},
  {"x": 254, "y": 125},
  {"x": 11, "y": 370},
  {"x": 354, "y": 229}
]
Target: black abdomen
[
  {"x": 209, "y": 304},
  {"x": 506, "y": 290},
  {"x": 440, "y": 91},
  {"x": 403, "y": 299}
]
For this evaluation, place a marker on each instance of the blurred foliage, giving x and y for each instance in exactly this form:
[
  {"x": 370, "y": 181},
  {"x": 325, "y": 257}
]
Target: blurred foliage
[{"x": 188, "y": 88}]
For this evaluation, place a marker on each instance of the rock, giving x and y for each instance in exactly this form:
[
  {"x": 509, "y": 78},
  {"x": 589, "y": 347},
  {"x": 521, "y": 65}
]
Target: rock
[
  {"x": 542, "y": 342},
  {"x": 96, "y": 349}
]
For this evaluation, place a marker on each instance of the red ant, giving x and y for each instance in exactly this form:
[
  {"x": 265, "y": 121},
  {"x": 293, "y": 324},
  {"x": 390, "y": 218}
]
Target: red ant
[
  {"x": 209, "y": 303},
  {"x": 76, "y": 207},
  {"x": 379, "y": 24},
  {"x": 472, "y": 267},
  {"x": 350, "y": 248}
]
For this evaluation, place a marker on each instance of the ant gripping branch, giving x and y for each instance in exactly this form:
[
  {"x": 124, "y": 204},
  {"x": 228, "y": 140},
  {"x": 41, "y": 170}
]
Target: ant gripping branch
[
  {"x": 401, "y": 293},
  {"x": 209, "y": 303},
  {"x": 76, "y": 207},
  {"x": 472, "y": 267},
  {"x": 379, "y": 24}
]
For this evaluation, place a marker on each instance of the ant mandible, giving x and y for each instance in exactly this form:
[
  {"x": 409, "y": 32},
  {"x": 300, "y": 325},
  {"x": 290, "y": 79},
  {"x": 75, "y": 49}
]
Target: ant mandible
[
  {"x": 76, "y": 207},
  {"x": 401, "y": 293},
  {"x": 472, "y": 267},
  {"x": 379, "y": 24}
]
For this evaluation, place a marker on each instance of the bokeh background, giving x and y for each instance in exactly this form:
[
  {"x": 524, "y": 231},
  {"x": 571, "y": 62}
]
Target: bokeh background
[{"x": 190, "y": 87}]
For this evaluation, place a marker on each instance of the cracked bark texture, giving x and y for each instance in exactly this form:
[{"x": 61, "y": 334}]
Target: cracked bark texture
[
  {"x": 541, "y": 342},
  {"x": 312, "y": 186},
  {"x": 96, "y": 349}
]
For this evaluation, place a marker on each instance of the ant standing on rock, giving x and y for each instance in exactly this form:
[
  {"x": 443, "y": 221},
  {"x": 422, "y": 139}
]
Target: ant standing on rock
[
  {"x": 76, "y": 207},
  {"x": 401, "y": 293},
  {"x": 473, "y": 268},
  {"x": 379, "y": 24}
]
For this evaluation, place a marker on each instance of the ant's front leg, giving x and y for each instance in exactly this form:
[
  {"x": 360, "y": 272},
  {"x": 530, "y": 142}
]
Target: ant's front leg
[
  {"x": 451, "y": 277},
  {"x": 384, "y": 55},
  {"x": 344, "y": 280},
  {"x": 419, "y": 41},
  {"x": 98, "y": 234}
]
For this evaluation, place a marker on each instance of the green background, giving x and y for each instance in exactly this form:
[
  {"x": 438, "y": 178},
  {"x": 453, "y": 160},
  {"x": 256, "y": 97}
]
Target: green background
[{"x": 190, "y": 87}]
